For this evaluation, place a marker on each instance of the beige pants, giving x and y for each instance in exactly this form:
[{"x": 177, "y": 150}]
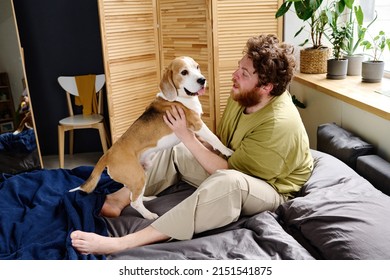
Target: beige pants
[{"x": 220, "y": 198}]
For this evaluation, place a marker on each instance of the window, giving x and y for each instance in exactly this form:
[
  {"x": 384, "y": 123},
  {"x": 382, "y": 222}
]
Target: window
[{"x": 382, "y": 8}]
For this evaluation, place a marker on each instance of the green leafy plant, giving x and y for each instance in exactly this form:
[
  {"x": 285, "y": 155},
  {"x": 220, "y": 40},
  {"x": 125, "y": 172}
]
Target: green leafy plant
[
  {"x": 356, "y": 28},
  {"x": 308, "y": 11},
  {"x": 338, "y": 31},
  {"x": 377, "y": 45}
]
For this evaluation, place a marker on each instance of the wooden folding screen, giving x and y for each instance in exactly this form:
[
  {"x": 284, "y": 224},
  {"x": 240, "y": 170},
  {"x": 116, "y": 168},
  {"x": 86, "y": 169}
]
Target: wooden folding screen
[
  {"x": 131, "y": 57},
  {"x": 184, "y": 30},
  {"x": 141, "y": 37},
  {"x": 233, "y": 23}
]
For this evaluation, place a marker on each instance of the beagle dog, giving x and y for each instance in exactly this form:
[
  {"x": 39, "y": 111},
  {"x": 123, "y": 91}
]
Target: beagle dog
[
  {"x": 26, "y": 122},
  {"x": 129, "y": 157}
]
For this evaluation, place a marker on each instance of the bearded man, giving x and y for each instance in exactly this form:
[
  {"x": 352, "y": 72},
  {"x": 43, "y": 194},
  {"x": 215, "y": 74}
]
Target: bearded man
[{"x": 270, "y": 163}]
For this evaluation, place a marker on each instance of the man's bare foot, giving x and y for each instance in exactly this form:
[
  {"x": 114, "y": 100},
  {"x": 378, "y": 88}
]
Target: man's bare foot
[
  {"x": 116, "y": 202},
  {"x": 92, "y": 243}
]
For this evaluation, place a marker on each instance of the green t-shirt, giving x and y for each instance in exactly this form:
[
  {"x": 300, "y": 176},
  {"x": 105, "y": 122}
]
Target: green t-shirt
[{"x": 271, "y": 144}]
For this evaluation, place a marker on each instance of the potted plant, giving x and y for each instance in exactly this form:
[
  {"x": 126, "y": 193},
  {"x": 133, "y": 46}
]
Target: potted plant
[
  {"x": 312, "y": 59},
  {"x": 339, "y": 32},
  {"x": 357, "y": 32},
  {"x": 372, "y": 69}
]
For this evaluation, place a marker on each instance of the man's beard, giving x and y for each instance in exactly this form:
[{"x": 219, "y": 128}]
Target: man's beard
[{"x": 246, "y": 98}]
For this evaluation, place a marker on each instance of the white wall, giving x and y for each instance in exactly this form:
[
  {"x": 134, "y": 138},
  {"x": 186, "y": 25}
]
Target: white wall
[{"x": 322, "y": 108}]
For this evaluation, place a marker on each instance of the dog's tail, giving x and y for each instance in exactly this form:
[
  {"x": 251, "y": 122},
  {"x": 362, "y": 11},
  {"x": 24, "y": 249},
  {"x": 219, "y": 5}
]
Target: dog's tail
[{"x": 90, "y": 184}]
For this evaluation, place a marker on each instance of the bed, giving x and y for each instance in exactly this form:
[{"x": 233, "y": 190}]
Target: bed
[{"x": 337, "y": 215}]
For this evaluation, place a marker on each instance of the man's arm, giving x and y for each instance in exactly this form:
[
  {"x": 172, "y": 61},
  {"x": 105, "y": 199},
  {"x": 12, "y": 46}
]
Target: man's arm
[{"x": 209, "y": 160}]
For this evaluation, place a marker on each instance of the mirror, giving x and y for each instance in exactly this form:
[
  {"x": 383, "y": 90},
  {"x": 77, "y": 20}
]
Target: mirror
[{"x": 19, "y": 147}]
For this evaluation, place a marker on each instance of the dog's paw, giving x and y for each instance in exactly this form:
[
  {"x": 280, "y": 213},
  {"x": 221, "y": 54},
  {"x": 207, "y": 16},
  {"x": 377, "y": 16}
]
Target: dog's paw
[
  {"x": 226, "y": 151},
  {"x": 148, "y": 198},
  {"x": 150, "y": 216},
  {"x": 75, "y": 189}
]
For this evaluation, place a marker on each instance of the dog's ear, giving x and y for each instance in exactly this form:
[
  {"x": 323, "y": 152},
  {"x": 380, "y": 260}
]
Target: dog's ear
[{"x": 167, "y": 86}]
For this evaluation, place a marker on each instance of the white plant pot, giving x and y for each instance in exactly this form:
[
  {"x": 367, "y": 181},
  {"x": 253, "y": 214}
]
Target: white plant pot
[{"x": 355, "y": 65}]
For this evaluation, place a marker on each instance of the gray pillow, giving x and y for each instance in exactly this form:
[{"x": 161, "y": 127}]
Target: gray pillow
[
  {"x": 342, "y": 144},
  {"x": 342, "y": 217}
]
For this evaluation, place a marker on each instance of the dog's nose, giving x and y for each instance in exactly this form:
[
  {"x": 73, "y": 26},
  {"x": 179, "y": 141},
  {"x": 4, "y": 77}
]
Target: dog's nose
[{"x": 201, "y": 81}]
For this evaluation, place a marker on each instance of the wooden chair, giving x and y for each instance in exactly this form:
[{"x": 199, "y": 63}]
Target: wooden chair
[{"x": 80, "y": 121}]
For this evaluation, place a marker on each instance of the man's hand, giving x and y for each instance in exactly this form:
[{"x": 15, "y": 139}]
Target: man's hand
[{"x": 176, "y": 120}]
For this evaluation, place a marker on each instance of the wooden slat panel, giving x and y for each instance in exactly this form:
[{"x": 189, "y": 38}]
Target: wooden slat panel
[
  {"x": 129, "y": 39},
  {"x": 184, "y": 31},
  {"x": 136, "y": 51},
  {"x": 234, "y": 22}
]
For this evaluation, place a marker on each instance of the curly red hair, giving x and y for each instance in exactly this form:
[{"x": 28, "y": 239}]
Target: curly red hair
[{"x": 274, "y": 62}]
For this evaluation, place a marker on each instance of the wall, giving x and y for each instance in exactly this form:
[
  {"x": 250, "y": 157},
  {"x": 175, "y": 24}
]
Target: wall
[
  {"x": 322, "y": 108},
  {"x": 59, "y": 37}
]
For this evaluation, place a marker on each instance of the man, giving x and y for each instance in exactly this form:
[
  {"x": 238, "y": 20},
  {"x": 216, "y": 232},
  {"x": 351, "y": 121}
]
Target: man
[{"x": 270, "y": 163}]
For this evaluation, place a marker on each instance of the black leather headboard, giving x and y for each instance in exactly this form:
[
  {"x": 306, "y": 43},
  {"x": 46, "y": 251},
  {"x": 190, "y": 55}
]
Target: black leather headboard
[
  {"x": 376, "y": 170},
  {"x": 342, "y": 144},
  {"x": 355, "y": 152}
]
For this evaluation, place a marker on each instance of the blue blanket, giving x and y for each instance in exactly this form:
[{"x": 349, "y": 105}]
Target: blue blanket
[
  {"x": 37, "y": 213},
  {"x": 24, "y": 142}
]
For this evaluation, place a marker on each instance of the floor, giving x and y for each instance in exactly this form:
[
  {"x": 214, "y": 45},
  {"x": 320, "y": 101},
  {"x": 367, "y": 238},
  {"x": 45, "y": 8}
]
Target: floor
[{"x": 71, "y": 161}]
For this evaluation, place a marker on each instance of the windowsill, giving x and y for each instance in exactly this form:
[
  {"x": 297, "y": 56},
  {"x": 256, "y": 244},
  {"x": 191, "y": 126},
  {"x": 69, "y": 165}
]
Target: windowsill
[{"x": 352, "y": 91}]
